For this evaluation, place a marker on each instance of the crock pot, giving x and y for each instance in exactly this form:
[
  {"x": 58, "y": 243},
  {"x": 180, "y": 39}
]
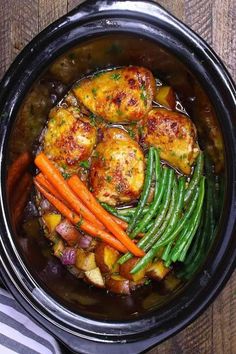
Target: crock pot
[{"x": 113, "y": 33}]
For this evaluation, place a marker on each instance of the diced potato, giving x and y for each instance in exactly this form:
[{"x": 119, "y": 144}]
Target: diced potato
[
  {"x": 126, "y": 268},
  {"x": 94, "y": 277},
  {"x": 166, "y": 97},
  {"x": 157, "y": 270},
  {"x": 85, "y": 260},
  {"x": 118, "y": 285},
  {"x": 51, "y": 220},
  {"x": 58, "y": 248},
  {"x": 106, "y": 257}
]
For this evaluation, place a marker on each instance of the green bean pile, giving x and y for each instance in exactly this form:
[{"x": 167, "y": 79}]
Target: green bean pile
[{"x": 172, "y": 222}]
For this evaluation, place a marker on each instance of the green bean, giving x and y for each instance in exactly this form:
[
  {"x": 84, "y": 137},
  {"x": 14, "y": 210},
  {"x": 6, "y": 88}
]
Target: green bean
[
  {"x": 145, "y": 192},
  {"x": 113, "y": 211},
  {"x": 176, "y": 211},
  {"x": 198, "y": 170},
  {"x": 167, "y": 236},
  {"x": 130, "y": 211},
  {"x": 163, "y": 218},
  {"x": 158, "y": 171},
  {"x": 196, "y": 244},
  {"x": 180, "y": 226},
  {"x": 180, "y": 250},
  {"x": 153, "y": 208},
  {"x": 168, "y": 177}
]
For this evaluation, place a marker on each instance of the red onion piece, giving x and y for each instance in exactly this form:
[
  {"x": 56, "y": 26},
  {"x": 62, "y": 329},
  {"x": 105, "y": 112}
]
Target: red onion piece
[
  {"x": 84, "y": 241},
  {"x": 68, "y": 256},
  {"x": 68, "y": 232}
]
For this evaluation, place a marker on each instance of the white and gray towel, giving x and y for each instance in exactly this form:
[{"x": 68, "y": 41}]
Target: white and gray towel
[{"x": 19, "y": 334}]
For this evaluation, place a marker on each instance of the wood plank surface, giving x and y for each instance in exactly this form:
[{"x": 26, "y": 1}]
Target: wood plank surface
[{"x": 215, "y": 20}]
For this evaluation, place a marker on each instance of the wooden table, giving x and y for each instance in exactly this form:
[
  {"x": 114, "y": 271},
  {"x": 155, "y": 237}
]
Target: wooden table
[{"x": 215, "y": 20}]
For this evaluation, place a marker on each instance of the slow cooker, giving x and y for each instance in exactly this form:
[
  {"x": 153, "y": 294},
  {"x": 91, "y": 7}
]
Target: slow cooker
[{"x": 105, "y": 34}]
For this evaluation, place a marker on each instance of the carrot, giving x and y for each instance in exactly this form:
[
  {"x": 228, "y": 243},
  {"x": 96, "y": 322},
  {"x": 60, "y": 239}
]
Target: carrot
[
  {"x": 21, "y": 197},
  {"x": 44, "y": 182},
  {"x": 77, "y": 220},
  {"x": 120, "y": 222},
  {"x": 90, "y": 201},
  {"x": 16, "y": 170},
  {"x": 55, "y": 178}
]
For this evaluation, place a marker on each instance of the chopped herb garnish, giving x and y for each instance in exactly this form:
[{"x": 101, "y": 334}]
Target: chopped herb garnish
[
  {"x": 108, "y": 179},
  {"x": 94, "y": 91},
  {"x": 96, "y": 154},
  {"x": 92, "y": 118},
  {"x": 84, "y": 164},
  {"x": 116, "y": 76},
  {"x": 66, "y": 175},
  {"x": 140, "y": 130},
  {"x": 119, "y": 112},
  {"x": 79, "y": 223},
  {"x": 147, "y": 282},
  {"x": 131, "y": 133}
]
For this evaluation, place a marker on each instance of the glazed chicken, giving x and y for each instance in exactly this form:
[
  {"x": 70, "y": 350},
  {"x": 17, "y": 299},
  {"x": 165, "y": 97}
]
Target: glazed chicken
[
  {"x": 69, "y": 138},
  {"x": 117, "y": 169},
  {"x": 120, "y": 95},
  {"x": 174, "y": 135}
]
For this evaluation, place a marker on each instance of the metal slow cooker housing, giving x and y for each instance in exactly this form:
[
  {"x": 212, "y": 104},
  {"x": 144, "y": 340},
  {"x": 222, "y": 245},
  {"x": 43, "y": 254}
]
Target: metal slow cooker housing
[{"x": 88, "y": 332}]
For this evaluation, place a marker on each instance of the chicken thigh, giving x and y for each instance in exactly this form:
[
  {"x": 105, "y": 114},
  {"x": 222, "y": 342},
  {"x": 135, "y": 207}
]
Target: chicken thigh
[
  {"x": 69, "y": 138},
  {"x": 120, "y": 95},
  {"x": 174, "y": 134},
  {"x": 117, "y": 169}
]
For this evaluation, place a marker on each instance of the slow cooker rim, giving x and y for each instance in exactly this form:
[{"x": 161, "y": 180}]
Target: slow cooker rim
[{"x": 5, "y": 79}]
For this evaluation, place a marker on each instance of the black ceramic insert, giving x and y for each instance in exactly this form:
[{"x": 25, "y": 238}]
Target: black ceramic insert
[{"x": 112, "y": 33}]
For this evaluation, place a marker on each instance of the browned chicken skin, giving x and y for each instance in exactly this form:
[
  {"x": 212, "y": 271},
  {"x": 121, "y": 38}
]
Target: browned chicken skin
[
  {"x": 69, "y": 138},
  {"x": 120, "y": 95},
  {"x": 117, "y": 169},
  {"x": 175, "y": 136}
]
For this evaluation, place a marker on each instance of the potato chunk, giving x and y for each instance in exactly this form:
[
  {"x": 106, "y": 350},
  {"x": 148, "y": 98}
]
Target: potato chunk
[
  {"x": 117, "y": 168},
  {"x": 157, "y": 271},
  {"x": 95, "y": 278},
  {"x": 126, "y": 268},
  {"x": 106, "y": 257},
  {"x": 166, "y": 97},
  {"x": 118, "y": 285},
  {"x": 51, "y": 220},
  {"x": 120, "y": 95},
  {"x": 175, "y": 136},
  {"x": 69, "y": 138},
  {"x": 85, "y": 260}
]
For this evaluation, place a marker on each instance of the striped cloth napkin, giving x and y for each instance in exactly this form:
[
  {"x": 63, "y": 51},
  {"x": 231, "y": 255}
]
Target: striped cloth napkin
[{"x": 19, "y": 334}]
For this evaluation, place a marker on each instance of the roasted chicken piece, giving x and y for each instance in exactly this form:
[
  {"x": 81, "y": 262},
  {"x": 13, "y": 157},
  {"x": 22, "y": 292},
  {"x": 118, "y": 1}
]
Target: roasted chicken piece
[
  {"x": 117, "y": 168},
  {"x": 69, "y": 138},
  {"x": 120, "y": 95},
  {"x": 175, "y": 136}
]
